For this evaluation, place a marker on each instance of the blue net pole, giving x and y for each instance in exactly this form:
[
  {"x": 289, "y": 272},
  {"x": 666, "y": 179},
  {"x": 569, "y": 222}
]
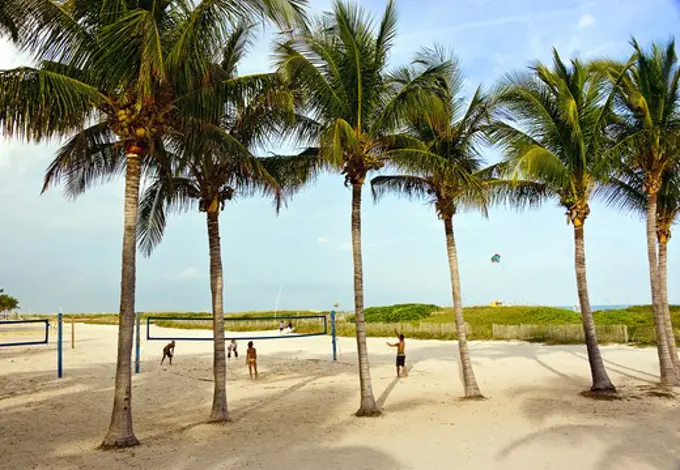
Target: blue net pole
[
  {"x": 60, "y": 344},
  {"x": 335, "y": 357},
  {"x": 137, "y": 340}
]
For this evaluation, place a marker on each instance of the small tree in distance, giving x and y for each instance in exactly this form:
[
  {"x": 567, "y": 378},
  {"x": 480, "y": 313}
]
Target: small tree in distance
[{"x": 7, "y": 303}]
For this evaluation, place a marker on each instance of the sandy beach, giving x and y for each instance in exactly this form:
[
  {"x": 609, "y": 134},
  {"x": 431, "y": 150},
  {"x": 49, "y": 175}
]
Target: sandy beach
[{"x": 299, "y": 413}]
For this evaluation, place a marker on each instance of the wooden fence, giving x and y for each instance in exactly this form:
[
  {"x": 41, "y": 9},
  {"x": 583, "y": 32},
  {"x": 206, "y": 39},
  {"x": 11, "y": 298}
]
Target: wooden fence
[
  {"x": 560, "y": 333},
  {"x": 414, "y": 330},
  {"x": 564, "y": 334}
]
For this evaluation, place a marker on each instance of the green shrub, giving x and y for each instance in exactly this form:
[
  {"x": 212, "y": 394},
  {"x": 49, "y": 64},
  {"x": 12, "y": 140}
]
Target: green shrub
[{"x": 397, "y": 313}]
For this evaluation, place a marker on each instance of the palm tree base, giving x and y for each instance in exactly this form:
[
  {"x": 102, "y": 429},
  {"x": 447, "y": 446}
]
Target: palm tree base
[
  {"x": 670, "y": 384},
  {"x": 608, "y": 388},
  {"x": 368, "y": 411},
  {"x": 474, "y": 397},
  {"x": 607, "y": 395},
  {"x": 219, "y": 419},
  {"x": 122, "y": 443}
]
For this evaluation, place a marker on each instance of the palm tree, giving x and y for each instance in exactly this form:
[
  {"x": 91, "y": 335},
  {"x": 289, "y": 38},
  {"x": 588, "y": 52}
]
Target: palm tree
[
  {"x": 7, "y": 303},
  {"x": 649, "y": 105},
  {"x": 554, "y": 133},
  {"x": 453, "y": 130},
  {"x": 354, "y": 106},
  {"x": 118, "y": 76},
  {"x": 627, "y": 192},
  {"x": 212, "y": 164}
]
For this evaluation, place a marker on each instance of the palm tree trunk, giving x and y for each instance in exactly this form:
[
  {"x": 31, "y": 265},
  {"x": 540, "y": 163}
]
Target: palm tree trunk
[
  {"x": 668, "y": 323},
  {"x": 120, "y": 433},
  {"x": 469, "y": 380},
  {"x": 601, "y": 382},
  {"x": 668, "y": 375},
  {"x": 219, "y": 412},
  {"x": 368, "y": 405}
]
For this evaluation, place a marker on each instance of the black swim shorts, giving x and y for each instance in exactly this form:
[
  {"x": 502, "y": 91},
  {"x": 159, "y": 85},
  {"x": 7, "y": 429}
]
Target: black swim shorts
[{"x": 401, "y": 360}]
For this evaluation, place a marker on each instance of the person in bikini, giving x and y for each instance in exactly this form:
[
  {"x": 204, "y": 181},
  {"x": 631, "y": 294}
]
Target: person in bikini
[
  {"x": 401, "y": 355},
  {"x": 251, "y": 359}
]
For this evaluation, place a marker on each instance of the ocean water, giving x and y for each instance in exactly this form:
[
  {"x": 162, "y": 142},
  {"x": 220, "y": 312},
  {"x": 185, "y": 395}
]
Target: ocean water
[{"x": 595, "y": 307}]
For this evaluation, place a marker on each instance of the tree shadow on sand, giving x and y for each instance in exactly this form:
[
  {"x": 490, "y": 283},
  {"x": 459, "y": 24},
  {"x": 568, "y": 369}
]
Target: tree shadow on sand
[
  {"x": 294, "y": 424},
  {"x": 641, "y": 432},
  {"x": 541, "y": 355}
]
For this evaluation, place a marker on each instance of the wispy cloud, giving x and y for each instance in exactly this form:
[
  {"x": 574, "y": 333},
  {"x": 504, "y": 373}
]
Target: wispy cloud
[
  {"x": 498, "y": 21},
  {"x": 190, "y": 273},
  {"x": 587, "y": 20}
]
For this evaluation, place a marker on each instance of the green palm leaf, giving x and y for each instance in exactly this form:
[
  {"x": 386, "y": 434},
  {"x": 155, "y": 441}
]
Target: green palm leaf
[
  {"x": 91, "y": 157},
  {"x": 39, "y": 104}
]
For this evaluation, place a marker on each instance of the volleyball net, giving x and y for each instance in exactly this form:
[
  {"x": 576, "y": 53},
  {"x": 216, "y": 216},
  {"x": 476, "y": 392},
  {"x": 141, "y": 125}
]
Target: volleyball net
[
  {"x": 240, "y": 328},
  {"x": 24, "y": 332}
]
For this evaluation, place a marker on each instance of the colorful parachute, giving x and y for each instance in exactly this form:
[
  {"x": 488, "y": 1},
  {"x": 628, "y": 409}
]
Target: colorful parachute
[{"x": 495, "y": 259}]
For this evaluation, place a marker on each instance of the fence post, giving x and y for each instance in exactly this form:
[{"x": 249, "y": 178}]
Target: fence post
[
  {"x": 60, "y": 322},
  {"x": 335, "y": 358},
  {"x": 73, "y": 333},
  {"x": 137, "y": 340}
]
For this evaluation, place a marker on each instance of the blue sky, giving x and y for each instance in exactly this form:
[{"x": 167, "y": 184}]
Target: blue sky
[{"x": 54, "y": 252}]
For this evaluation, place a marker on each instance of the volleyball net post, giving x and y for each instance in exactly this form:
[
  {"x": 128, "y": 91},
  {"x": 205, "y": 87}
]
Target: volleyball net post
[
  {"x": 333, "y": 336},
  {"x": 60, "y": 345},
  {"x": 137, "y": 340}
]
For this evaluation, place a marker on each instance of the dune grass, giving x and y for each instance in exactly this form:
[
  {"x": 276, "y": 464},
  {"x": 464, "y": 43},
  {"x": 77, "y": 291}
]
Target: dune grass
[
  {"x": 481, "y": 319},
  {"x": 112, "y": 318}
]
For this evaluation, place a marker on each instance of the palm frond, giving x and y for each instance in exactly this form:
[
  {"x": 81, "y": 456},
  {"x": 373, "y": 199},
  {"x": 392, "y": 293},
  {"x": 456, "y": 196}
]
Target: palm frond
[
  {"x": 625, "y": 193},
  {"x": 131, "y": 53},
  {"x": 208, "y": 103},
  {"x": 91, "y": 157},
  {"x": 240, "y": 39},
  {"x": 418, "y": 93},
  {"x": 537, "y": 162},
  {"x": 323, "y": 92},
  {"x": 293, "y": 172},
  {"x": 39, "y": 104},
  {"x": 340, "y": 143},
  {"x": 386, "y": 34},
  {"x": 428, "y": 164},
  {"x": 411, "y": 187},
  {"x": 165, "y": 193},
  {"x": 518, "y": 194},
  {"x": 12, "y": 16},
  {"x": 49, "y": 31}
]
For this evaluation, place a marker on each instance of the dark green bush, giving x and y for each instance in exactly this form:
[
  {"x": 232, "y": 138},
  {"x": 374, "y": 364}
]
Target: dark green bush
[{"x": 398, "y": 313}]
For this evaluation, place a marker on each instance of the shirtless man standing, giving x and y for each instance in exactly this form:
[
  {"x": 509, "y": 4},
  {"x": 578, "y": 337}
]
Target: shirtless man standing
[{"x": 401, "y": 354}]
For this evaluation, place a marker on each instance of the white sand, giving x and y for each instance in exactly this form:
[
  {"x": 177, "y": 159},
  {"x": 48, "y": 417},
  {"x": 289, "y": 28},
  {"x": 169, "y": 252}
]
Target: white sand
[{"x": 299, "y": 413}]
